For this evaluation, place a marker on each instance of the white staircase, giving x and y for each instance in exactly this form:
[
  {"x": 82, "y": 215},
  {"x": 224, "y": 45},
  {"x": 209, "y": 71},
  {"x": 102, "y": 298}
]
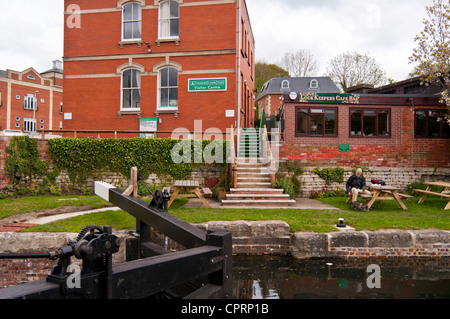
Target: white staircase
[{"x": 254, "y": 187}]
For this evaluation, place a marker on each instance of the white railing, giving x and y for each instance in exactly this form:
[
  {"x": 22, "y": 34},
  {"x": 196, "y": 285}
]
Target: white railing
[{"x": 267, "y": 153}]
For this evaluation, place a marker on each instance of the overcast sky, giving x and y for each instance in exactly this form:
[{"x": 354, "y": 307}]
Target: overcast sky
[{"x": 32, "y": 31}]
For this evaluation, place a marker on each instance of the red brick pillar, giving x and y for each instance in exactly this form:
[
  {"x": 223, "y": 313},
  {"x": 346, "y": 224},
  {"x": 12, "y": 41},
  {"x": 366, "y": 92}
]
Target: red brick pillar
[{"x": 4, "y": 142}]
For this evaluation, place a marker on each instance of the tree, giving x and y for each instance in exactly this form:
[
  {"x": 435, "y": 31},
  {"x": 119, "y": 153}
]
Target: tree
[
  {"x": 432, "y": 53},
  {"x": 300, "y": 63},
  {"x": 264, "y": 72},
  {"x": 353, "y": 68}
]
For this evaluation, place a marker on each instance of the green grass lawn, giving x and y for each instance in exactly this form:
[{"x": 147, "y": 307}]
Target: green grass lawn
[
  {"x": 387, "y": 215},
  {"x": 10, "y": 207}
]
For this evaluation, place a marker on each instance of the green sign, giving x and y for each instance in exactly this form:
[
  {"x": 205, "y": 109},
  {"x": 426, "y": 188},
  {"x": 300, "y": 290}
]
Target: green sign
[
  {"x": 344, "y": 148},
  {"x": 331, "y": 98},
  {"x": 148, "y": 125},
  {"x": 207, "y": 85}
]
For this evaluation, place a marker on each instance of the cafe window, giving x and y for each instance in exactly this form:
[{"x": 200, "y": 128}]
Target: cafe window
[
  {"x": 370, "y": 123},
  {"x": 431, "y": 124},
  {"x": 316, "y": 121}
]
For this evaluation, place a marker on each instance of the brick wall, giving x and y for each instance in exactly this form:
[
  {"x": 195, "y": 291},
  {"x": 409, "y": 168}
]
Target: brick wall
[
  {"x": 207, "y": 45},
  {"x": 400, "y": 150}
]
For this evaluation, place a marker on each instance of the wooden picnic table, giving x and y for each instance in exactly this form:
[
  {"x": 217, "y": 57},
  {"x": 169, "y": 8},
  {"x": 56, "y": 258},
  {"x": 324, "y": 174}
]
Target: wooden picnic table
[
  {"x": 379, "y": 190},
  {"x": 445, "y": 193},
  {"x": 193, "y": 189}
]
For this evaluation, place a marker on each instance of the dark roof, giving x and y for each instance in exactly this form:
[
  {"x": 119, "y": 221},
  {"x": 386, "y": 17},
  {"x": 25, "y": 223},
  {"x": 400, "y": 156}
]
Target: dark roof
[
  {"x": 57, "y": 67},
  {"x": 408, "y": 86},
  {"x": 3, "y": 74},
  {"x": 298, "y": 85},
  {"x": 54, "y": 70}
]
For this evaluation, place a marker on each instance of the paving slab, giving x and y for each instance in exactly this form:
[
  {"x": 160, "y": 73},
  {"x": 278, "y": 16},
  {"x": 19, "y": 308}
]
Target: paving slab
[{"x": 300, "y": 203}]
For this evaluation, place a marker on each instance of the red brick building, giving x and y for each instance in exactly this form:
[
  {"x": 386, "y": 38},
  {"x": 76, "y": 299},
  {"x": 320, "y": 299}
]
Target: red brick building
[
  {"x": 371, "y": 130},
  {"x": 30, "y": 101},
  {"x": 165, "y": 62}
]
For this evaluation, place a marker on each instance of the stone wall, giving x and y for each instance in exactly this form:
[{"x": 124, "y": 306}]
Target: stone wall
[
  {"x": 200, "y": 174},
  {"x": 401, "y": 177},
  {"x": 367, "y": 244}
]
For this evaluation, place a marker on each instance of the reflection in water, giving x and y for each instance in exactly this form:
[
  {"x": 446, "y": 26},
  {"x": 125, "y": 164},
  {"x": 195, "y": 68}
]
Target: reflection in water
[{"x": 287, "y": 278}]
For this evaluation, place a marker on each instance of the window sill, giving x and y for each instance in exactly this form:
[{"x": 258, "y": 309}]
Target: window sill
[
  {"x": 162, "y": 111},
  {"x": 130, "y": 112},
  {"x": 164, "y": 40},
  {"x": 130, "y": 42},
  {"x": 316, "y": 136},
  {"x": 370, "y": 137}
]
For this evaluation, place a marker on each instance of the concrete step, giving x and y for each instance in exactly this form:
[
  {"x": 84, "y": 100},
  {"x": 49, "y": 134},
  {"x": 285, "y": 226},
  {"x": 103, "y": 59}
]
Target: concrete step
[
  {"x": 256, "y": 191},
  {"x": 257, "y": 196},
  {"x": 254, "y": 185},
  {"x": 254, "y": 169},
  {"x": 253, "y": 174},
  {"x": 245, "y": 162},
  {"x": 264, "y": 179},
  {"x": 259, "y": 203}
]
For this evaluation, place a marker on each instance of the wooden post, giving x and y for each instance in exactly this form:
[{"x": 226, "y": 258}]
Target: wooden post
[
  {"x": 142, "y": 229},
  {"x": 235, "y": 173},
  {"x": 134, "y": 181}
]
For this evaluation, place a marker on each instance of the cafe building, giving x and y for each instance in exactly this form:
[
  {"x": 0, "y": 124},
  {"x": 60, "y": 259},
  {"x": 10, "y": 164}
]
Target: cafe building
[{"x": 385, "y": 131}]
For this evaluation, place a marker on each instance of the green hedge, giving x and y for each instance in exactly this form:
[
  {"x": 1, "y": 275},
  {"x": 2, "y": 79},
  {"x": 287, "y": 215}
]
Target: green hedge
[{"x": 83, "y": 158}]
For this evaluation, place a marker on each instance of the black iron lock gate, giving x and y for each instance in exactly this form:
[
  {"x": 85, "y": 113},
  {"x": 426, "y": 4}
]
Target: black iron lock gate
[{"x": 202, "y": 271}]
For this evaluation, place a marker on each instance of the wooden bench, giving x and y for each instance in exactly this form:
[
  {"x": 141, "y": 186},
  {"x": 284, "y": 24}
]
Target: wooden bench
[
  {"x": 193, "y": 190},
  {"x": 363, "y": 196},
  {"x": 207, "y": 192},
  {"x": 426, "y": 193},
  {"x": 421, "y": 191}
]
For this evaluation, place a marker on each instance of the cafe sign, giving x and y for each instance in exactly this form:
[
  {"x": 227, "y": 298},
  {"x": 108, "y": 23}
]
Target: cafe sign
[
  {"x": 331, "y": 98},
  {"x": 207, "y": 85}
]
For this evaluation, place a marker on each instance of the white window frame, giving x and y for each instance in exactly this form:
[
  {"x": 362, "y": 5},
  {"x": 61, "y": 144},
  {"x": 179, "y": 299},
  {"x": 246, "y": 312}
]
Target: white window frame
[
  {"x": 131, "y": 21},
  {"x": 132, "y": 88},
  {"x": 168, "y": 108},
  {"x": 161, "y": 19},
  {"x": 283, "y": 84},
  {"x": 30, "y": 102},
  {"x": 29, "y": 125},
  {"x": 314, "y": 84}
]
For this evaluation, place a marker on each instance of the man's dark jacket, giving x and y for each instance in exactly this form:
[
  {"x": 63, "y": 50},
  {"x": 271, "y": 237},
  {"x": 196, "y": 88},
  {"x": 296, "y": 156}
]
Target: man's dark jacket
[{"x": 356, "y": 182}]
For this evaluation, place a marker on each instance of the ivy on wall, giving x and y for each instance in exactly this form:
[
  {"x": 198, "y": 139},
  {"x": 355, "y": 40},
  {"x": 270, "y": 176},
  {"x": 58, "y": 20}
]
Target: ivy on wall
[
  {"x": 84, "y": 158},
  {"x": 23, "y": 165},
  {"x": 330, "y": 175}
]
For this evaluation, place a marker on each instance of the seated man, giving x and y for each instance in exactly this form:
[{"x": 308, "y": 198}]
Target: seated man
[{"x": 357, "y": 185}]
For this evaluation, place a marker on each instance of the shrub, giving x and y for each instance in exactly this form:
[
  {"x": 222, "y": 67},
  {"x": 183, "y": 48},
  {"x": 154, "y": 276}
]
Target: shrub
[
  {"x": 330, "y": 175},
  {"x": 84, "y": 158},
  {"x": 325, "y": 193},
  {"x": 285, "y": 184}
]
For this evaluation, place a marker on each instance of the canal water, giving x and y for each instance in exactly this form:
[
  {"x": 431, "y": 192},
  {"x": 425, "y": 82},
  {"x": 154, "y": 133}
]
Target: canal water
[{"x": 287, "y": 278}]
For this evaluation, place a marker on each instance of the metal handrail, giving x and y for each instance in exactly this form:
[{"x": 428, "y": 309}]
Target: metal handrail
[{"x": 116, "y": 132}]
